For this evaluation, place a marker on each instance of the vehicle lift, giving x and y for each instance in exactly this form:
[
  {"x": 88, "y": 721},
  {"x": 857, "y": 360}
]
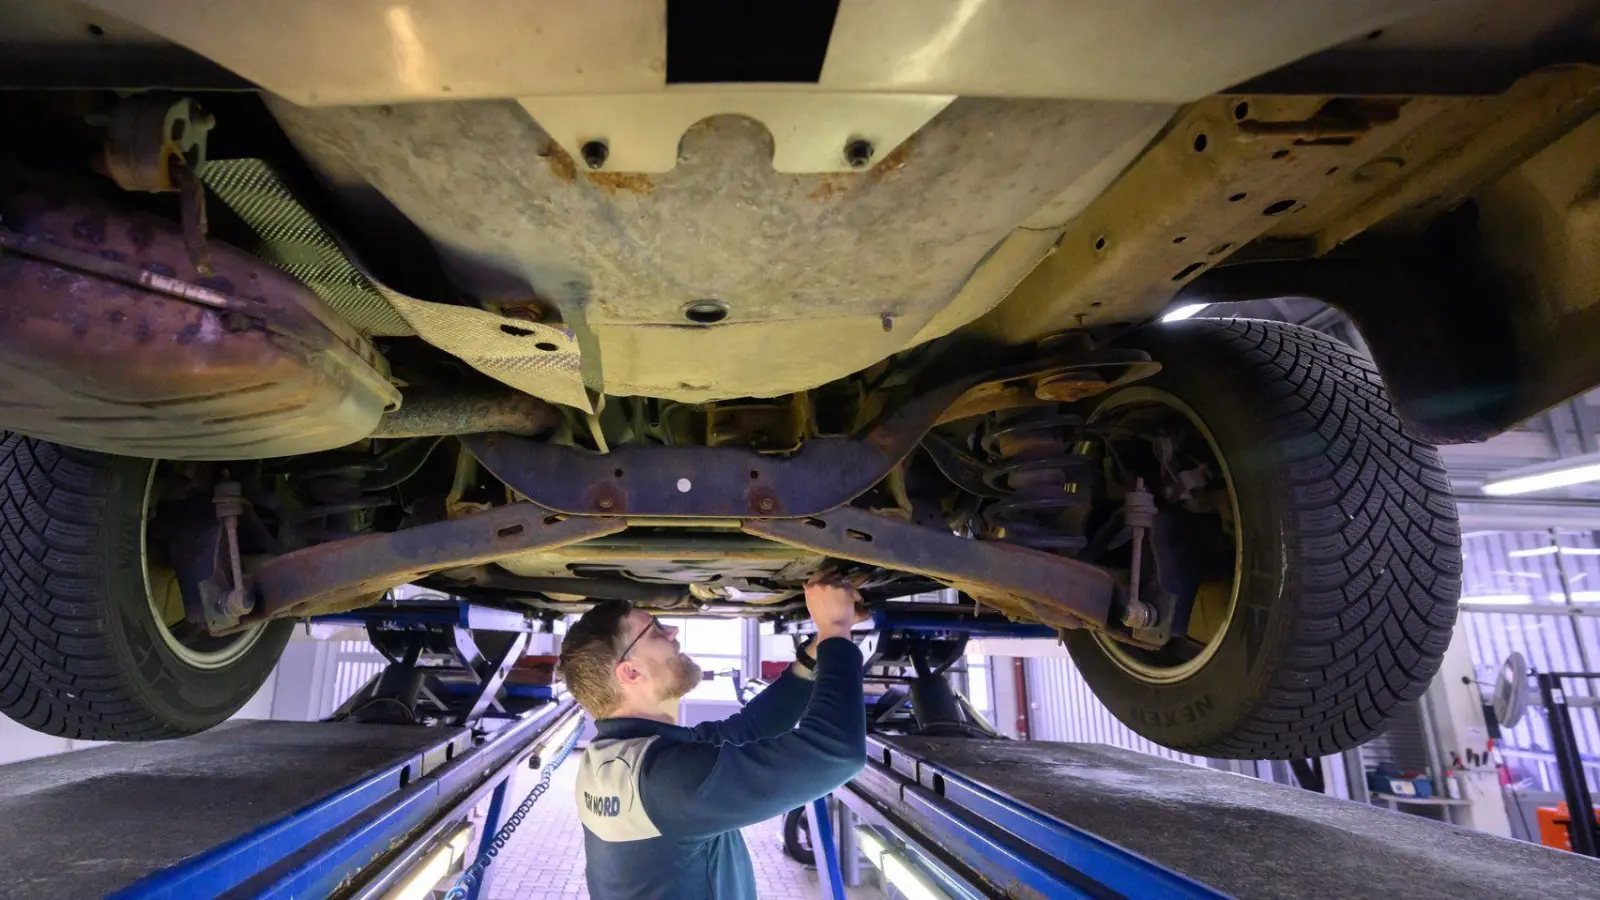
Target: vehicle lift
[
  {"x": 377, "y": 802},
  {"x": 946, "y": 809}
]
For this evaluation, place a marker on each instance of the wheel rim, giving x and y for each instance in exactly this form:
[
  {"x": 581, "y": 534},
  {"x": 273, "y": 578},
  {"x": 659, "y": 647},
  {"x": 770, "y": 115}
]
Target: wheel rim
[
  {"x": 186, "y": 640},
  {"x": 1216, "y": 600}
]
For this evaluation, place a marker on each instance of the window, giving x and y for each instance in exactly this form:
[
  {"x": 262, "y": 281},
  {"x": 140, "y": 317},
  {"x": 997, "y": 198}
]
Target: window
[
  {"x": 978, "y": 682},
  {"x": 717, "y": 645}
]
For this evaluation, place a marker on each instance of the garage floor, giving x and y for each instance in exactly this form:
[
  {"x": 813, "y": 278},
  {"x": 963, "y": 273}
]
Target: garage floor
[{"x": 544, "y": 860}]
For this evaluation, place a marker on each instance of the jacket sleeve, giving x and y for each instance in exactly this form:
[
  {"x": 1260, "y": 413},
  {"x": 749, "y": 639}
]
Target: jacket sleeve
[
  {"x": 770, "y": 713},
  {"x": 695, "y": 789}
]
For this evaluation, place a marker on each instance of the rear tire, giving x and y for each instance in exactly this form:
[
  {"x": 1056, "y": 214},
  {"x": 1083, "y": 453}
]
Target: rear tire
[
  {"x": 797, "y": 837},
  {"x": 83, "y": 654},
  {"x": 1350, "y": 551}
]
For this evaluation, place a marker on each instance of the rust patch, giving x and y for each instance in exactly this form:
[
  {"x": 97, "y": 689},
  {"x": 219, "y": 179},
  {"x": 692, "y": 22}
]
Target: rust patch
[
  {"x": 1069, "y": 386},
  {"x": 764, "y": 501},
  {"x": 607, "y": 497},
  {"x": 91, "y": 229},
  {"x": 612, "y": 182},
  {"x": 560, "y": 163},
  {"x": 181, "y": 366},
  {"x": 895, "y": 161},
  {"x": 828, "y": 187}
]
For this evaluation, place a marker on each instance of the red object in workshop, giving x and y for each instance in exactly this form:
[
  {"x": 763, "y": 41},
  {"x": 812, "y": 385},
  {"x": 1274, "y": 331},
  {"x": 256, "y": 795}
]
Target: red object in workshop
[
  {"x": 539, "y": 670},
  {"x": 1553, "y": 822}
]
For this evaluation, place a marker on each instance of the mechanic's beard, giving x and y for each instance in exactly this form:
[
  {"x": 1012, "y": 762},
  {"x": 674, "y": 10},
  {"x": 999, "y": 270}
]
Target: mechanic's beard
[{"x": 682, "y": 678}]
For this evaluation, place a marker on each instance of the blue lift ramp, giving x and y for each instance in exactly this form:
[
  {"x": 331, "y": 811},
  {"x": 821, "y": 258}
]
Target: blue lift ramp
[
  {"x": 979, "y": 818},
  {"x": 258, "y": 809},
  {"x": 378, "y": 796}
]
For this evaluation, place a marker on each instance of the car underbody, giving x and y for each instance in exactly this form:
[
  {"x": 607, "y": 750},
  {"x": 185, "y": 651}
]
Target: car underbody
[{"x": 544, "y": 305}]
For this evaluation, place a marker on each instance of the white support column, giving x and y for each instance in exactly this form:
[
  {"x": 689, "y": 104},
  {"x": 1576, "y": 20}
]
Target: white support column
[
  {"x": 1455, "y": 708},
  {"x": 750, "y": 650},
  {"x": 305, "y": 676}
]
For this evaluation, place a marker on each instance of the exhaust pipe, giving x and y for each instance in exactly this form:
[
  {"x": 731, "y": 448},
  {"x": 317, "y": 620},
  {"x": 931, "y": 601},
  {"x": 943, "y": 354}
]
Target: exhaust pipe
[{"x": 436, "y": 413}]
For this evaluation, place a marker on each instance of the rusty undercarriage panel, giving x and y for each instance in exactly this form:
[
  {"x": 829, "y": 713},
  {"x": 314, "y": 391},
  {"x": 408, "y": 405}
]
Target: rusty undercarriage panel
[
  {"x": 111, "y": 340},
  {"x": 1021, "y": 582},
  {"x": 327, "y": 576}
]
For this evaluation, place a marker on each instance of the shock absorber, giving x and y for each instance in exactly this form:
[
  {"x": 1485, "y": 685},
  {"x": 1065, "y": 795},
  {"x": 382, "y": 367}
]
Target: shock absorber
[{"x": 1044, "y": 467}]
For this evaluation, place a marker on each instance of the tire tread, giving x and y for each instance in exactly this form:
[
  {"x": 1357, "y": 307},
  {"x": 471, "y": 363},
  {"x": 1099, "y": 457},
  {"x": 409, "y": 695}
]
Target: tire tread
[
  {"x": 58, "y": 667},
  {"x": 1373, "y": 543}
]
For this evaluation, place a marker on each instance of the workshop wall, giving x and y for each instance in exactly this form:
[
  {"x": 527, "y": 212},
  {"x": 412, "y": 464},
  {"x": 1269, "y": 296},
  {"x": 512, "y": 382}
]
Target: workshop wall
[
  {"x": 1061, "y": 707},
  {"x": 1520, "y": 572}
]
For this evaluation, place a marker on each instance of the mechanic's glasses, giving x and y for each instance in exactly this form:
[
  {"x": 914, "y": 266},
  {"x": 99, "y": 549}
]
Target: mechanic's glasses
[{"x": 654, "y": 627}]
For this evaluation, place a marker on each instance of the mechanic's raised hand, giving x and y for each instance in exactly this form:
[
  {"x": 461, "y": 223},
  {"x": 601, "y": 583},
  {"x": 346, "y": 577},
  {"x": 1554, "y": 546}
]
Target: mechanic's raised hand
[{"x": 832, "y": 605}]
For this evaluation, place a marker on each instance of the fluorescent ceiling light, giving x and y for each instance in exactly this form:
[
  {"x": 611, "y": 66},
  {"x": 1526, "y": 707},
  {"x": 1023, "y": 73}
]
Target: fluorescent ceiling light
[
  {"x": 1498, "y": 599},
  {"x": 1554, "y": 599},
  {"x": 1546, "y": 476},
  {"x": 1185, "y": 311},
  {"x": 1551, "y": 551}
]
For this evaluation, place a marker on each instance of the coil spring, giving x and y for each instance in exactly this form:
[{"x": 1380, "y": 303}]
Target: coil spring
[{"x": 1046, "y": 480}]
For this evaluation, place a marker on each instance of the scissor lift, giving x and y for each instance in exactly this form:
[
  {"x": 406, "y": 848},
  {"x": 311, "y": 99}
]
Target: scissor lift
[
  {"x": 357, "y": 806},
  {"x": 382, "y": 798},
  {"x": 954, "y": 812}
]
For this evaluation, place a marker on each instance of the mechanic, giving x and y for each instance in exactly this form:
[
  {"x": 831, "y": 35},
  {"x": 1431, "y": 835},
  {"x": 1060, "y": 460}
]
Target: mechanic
[{"x": 662, "y": 804}]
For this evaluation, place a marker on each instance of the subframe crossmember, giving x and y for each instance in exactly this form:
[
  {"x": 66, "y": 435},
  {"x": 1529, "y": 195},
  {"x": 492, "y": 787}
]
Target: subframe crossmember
[{"x": 1055, "y": 590}]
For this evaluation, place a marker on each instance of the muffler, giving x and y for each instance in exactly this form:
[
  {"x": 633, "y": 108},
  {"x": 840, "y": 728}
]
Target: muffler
[{"x": 111, "y": 340}]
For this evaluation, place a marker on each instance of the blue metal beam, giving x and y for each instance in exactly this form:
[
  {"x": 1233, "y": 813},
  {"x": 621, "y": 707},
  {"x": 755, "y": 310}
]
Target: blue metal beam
[
  {"x": 890, "y": 619},
  {"x": 458, "y": 613},
  {"x": 998, "y": 840},
  {"x": 826, "y": 848},
  {"x": 1101, "y": 861},
  {"x": 315, "y": 850}
]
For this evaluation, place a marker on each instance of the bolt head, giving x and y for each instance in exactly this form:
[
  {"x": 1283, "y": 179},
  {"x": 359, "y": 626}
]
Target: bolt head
[
  {"x": 595, "y": 153},
  {"x": 1139, "y": 614},
  {"x": 605, "y": 503},
  {"x": 858, "y": 152},
  {"x": 238, "y": 602},
  {"x": 765, "y": 504}
]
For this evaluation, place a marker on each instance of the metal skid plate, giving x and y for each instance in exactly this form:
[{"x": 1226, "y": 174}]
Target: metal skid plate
[
  {"x": 809, "y": 130},
  {"x": 540, "y": 359}
]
